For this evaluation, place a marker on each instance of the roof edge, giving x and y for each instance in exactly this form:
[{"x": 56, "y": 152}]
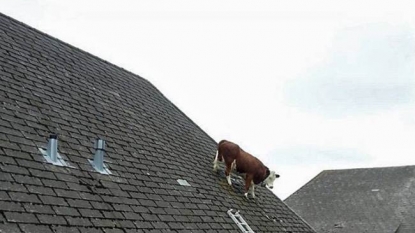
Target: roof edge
[
  {"x": 69, "y": 45},
  {"x": 306, "y": 184},
  {"x": 302, "y": 219},
  {"x": 365, "y": 168},
  {"x": 339, "y": 170},
  {"x": 107, "y": 62}
]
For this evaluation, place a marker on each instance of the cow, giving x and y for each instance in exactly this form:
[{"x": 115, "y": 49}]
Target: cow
[{"x": 244, "y": 163}]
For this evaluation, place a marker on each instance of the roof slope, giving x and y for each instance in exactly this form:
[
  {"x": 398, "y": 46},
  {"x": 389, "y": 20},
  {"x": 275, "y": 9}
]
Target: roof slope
[
  {"x": 48, "y": 86},
  {"x": 358, "y": 200},
  {"x": 407, "y": 227}
]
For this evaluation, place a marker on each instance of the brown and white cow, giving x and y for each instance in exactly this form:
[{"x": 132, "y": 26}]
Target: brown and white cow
[{"x": 254, "y": 170}]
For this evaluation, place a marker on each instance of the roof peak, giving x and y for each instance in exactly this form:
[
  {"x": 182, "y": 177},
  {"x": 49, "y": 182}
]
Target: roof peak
[
  {"x": 368, "y": 168},
  {"x": 69, "y": 45}
]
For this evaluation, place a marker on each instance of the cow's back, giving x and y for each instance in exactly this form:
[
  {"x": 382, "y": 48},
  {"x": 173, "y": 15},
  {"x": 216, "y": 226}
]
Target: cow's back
[
  {"x": 245, "y": 162},
  {"x": 228, "y": 150}
]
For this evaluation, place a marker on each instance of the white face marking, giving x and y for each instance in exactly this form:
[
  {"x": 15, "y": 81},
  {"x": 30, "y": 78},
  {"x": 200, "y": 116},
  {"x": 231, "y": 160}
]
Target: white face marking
[{"x": 269, "y": 181}]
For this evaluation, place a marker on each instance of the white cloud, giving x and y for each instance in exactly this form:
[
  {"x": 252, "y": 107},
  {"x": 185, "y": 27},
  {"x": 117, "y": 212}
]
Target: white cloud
[{"x": 371, "y": 68}]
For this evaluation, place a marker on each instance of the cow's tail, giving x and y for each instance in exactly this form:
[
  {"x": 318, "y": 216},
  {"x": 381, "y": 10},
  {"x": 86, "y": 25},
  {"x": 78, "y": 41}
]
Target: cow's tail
[
  {"x": 215, "y": 161},
  {"x": 218, "y": 158}
]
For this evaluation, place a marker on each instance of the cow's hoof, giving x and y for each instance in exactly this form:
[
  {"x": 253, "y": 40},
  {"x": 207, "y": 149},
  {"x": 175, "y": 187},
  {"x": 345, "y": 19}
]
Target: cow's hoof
[
  {"x": 228, "y": 178},
  {"x": 246, "y": 195}
]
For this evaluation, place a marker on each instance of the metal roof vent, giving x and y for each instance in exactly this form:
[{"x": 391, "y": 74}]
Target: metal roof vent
[
  {"x": 183, "y": 182},
  {"x": 51, "y": 153},
  {"x": 98, "y": 162},
  {"x": 237, "y": 218}
]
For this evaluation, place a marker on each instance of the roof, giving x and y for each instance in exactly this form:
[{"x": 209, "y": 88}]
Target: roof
[
  {"x": 48, "y": 86},
  {"x": 358, "y": 200},
  {"x": 407, "y": 227}
]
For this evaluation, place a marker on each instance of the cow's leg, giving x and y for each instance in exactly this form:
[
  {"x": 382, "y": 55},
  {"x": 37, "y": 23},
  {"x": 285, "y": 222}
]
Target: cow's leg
[
  {"x": 215, "y": 162},
  {"x": 228, "y": 172},
  {"x": 228, "y": 178},
  {"x": 233, "y": 167},
  {"x": 248, "y": 183},
  {"x": 252, "y": 189}
]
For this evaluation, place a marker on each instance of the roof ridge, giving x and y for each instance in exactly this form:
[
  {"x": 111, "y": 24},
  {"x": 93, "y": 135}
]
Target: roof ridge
[
  {"x": 367, "y": 168},
  {"x": 340, "y": 170},
  {"x": 306, "y": 184},
  {"x": 105, "y": 61},
  {"x": 69, "y": 45}
]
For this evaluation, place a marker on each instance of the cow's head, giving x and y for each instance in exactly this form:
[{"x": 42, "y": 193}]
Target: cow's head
[{"x": 269, "y": 181}]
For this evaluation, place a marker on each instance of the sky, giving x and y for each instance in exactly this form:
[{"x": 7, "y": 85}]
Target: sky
[{"x": 304, "y": 86}]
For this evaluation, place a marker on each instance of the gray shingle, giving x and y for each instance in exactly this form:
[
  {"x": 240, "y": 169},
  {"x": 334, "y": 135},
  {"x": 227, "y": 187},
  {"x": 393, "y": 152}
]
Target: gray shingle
[
  {"x": 24, "y": 197},
  {"x": 51, "y": 219},
  {"x": 90, "y": 213},
  {"x": 50, "y": 200},
  {"x": 9, "y": 228},
  {"x": 4, "y": 196},
  {"x": 69, "y": 211},
  {"x": 10, "y": 206},
  {"x": 30, "y": 228},
  {"x": 78, "y": 221},
  {"x": 40, "y": 190},
  {"x": 20, "y": 217},
  {"x": 63, "y": 229},
  {"x": 41, "y": 209},
  {"x": 103, "y": 223},
  {"x": 78, "y": 203}
]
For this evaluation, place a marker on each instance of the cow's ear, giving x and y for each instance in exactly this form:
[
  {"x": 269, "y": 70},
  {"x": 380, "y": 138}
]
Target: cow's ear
[{"x": 268, "y": 172}]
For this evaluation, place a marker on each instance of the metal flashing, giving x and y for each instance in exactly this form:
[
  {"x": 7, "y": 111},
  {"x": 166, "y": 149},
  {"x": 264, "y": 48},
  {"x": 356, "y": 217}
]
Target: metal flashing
[
  {"x": 183, "y": 182},
  {"x": 98, "y": 161},
  {"x": 51, "y": 153}
]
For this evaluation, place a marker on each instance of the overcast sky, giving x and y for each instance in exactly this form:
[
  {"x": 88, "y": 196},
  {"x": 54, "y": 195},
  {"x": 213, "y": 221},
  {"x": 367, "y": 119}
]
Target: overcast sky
[{"x": 303, "y": 85}]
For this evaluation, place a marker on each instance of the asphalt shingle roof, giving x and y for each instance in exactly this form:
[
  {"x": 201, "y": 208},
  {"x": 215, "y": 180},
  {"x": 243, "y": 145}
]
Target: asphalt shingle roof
[
  {"x": 48, "y": 86},
  {"x": 407, "y": 227},
  {"x": 358, "y": 200}
]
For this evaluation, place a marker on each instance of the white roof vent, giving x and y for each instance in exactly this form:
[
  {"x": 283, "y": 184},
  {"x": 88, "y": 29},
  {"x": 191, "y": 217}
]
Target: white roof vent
[
  {"x": 98, "y": 162},
  {"x": 183, "y": 182},
  {"x": 51, "y": 153}
]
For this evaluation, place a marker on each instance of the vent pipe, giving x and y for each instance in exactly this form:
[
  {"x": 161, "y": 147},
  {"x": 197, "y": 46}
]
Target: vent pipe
[
  {"x": 51, "y": 153},
  {"x": 52, "y": 150},
  {"x": 98, "y": 162}
]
